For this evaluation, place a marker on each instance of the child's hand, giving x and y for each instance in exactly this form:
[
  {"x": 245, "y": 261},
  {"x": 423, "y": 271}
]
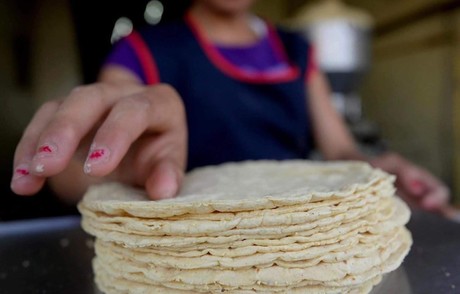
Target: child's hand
[{"x": 129, "y": 133}]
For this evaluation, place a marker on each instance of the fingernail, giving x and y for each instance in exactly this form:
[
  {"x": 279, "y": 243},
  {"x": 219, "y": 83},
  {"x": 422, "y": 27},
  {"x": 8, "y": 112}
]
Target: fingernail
[
  {"x": 46, "y": 150},
  {"x": 167, "y": 192},
  {"x": 39, "y": 168},
  {"x": 417, "y": 186},
  {"x": 169, "y": 187},
  {"x": 97, "y": 155},
  {"x": 21, "y": 171}
]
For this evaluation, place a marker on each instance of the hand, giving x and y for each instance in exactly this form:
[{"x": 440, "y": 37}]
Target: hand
[
  {"x": 414, "y": 183},
  {"x": 128, "y": 133}
]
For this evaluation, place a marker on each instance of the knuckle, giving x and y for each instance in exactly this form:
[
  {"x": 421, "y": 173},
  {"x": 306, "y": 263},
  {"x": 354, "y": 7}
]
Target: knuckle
[
  {"x": 94, "y": 93},
  {"x": 174, "y": 101},
  {"x": 116, "y": 131},
  {"x": 169, "y": 92},
  {"x": 89, "y": 90},
  {"x": 178, "y": 105},
  {"x": 168, "y": 105},
  {"x": 49, "y": 106},
  {"x": 64, "y": 128},
  {"x": 81, "y": 98},
  {"x": 165, "y": 89},
  {"x": 179, "y": 113},
  {"x": 140, "y": 101},
  {"x": 135, "y": 108},
  {"x": 78, "y": 89},
  {"x": 128, "y": 112}
]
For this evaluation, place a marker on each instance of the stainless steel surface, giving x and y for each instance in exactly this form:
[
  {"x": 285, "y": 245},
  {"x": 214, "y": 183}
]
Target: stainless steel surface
[
  {"x": 45, "y": 256},
  {"x": 54, "y": 256}
]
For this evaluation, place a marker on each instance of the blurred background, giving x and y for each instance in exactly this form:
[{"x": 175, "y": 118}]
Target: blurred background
[{"x": 396, "y": 77}]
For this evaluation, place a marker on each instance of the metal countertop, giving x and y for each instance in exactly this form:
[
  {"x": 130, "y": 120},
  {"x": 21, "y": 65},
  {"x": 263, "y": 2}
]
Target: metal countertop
[{"x": 54, "y": 256}]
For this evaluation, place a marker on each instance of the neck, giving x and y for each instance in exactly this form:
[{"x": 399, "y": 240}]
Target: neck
[{"x": 224, "y": 28}]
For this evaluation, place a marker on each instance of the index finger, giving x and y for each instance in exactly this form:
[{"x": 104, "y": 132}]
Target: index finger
[
  {"x": 75, "y": 117},
  {"x": 157, "y": 112},
  {"x": 23, "y": 182}
]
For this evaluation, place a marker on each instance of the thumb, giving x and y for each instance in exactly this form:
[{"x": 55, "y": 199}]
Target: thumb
[{"x": 164, "y": 179}]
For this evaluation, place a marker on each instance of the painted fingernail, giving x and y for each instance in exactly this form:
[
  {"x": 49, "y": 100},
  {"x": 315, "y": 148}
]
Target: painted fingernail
[
  {"x": 417, "y": 186},
  {"x": 46, "y": 150},
  {"x": 97, "y": 155},
  {"x": 39, "y": 168},
  {"x": 20, "y": 171}
]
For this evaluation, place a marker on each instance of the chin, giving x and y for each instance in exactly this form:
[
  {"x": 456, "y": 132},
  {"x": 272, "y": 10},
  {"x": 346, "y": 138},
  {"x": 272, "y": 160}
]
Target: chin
[{"x": 228, "y": 6}]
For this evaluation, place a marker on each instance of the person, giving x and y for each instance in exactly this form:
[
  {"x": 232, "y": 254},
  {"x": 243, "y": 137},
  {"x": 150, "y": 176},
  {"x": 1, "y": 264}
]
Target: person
[{"x": 221, "y": 85}]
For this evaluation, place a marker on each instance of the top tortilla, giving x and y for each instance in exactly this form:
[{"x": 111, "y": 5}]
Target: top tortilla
[{"x": 244, "y": 186}]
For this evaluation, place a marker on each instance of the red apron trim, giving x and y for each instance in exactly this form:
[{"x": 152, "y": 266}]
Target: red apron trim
[
  {"x": 145, "y": 58},
  {"x": 234, "y": 71}
]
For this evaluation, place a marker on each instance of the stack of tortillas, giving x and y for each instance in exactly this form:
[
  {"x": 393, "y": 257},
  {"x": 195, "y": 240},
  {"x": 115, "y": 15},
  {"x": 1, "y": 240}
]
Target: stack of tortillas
[{"x": 251, "y": 227}]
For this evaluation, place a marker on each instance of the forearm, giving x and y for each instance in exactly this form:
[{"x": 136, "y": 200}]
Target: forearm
[
  {"x": 332, "y": 137},
  {"x": 335, "y": 142}
]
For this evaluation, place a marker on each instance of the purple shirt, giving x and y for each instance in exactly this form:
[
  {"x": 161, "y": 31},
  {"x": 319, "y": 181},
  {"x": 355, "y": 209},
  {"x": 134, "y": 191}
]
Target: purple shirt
[
  {"x": 256, "y": 58},
  {"x": 123, "y": 55}
]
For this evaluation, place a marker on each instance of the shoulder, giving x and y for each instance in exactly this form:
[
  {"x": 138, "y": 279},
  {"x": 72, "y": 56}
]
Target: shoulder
[
  {"x": 170, "y": 31},
  {"x": 292, "y": 39},
  {"x": 297, "y": 47}
]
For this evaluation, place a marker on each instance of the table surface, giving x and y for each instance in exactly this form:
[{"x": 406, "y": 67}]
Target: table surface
[{"x": 54, "y": 256}]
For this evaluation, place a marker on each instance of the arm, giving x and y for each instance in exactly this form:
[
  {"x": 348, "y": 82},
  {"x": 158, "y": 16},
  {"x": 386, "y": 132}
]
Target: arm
[
  {"x": 331, "y": 135},
  {"x": 335, "y": 142}
]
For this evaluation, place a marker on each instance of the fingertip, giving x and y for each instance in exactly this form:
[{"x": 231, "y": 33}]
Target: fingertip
[
  {"x": 20, "y": 191},
  {"x": 45, "y": 167},
  {"x": 163, "y": 182},
  {"x": 38, "y": 168},
  {"x": 162, "y": 187},
  {"x": 431, "y": 203},
  {"x": 47, "y": 160},
  {"x": 98, "y": 161},
  {"x": 26, "y": 185}
]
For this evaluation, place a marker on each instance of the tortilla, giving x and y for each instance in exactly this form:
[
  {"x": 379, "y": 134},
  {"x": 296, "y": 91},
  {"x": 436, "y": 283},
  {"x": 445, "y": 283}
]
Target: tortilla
[
  {"x": 251, "y": 227},
  {"x": 261, "y": 185}
]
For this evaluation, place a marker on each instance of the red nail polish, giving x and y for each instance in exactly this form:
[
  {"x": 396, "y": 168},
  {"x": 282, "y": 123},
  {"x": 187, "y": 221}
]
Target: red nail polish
[
  {"x": 46, "y": 150},
  {"x": 416, "y": 184},
  {"x": 417, "y": 187},
  {"x": 21, "y": 170},
  {"x": 96, "y": 156}
]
